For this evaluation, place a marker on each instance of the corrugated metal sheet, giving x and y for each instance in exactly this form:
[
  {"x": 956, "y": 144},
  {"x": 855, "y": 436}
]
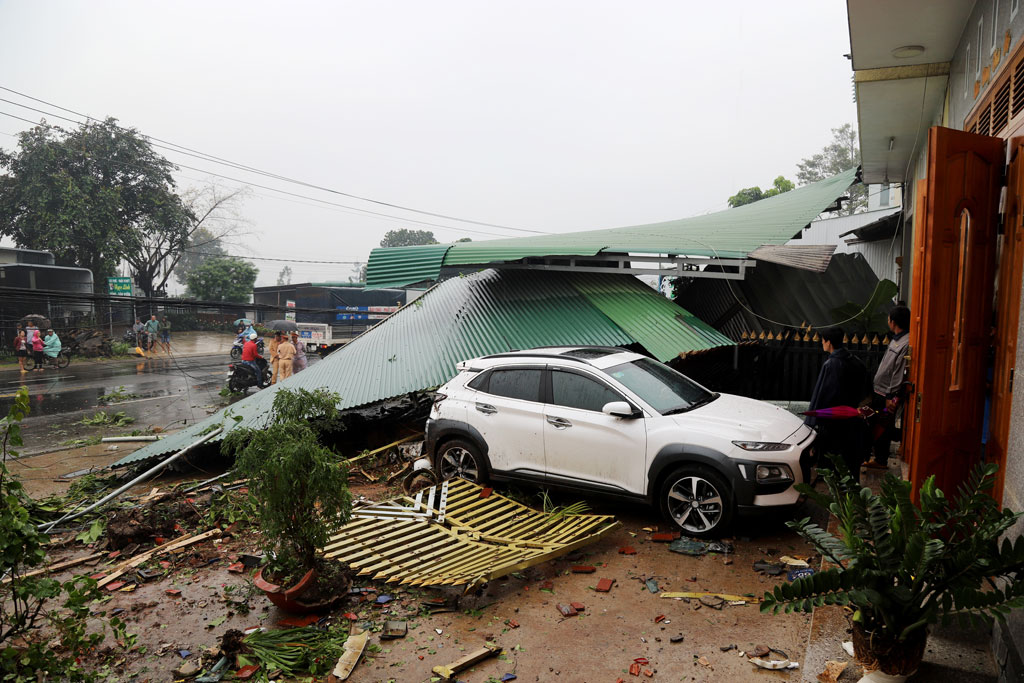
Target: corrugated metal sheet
[
  {"x": 881, "y": 256},
  {"x": 784, "y": 296},
  {"x": 655, "y": 322},
  {"x": 464, "y": 317},
  {"x": 813, "y": 257},
  {"x": 733, "y": 233},
  {"x": 398, "y": 266}
]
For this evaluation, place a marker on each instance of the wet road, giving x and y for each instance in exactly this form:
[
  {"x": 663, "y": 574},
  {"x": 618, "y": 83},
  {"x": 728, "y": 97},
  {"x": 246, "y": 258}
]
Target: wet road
[{"x": 166, "y": 392}]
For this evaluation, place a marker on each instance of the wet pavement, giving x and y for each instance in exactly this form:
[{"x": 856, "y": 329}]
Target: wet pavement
[{"x": 164, "y": 391}]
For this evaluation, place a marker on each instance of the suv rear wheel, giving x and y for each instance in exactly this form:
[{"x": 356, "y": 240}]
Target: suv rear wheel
[
  {"x": 458, "y": 458},
  {"x": 698, "y": 501}
]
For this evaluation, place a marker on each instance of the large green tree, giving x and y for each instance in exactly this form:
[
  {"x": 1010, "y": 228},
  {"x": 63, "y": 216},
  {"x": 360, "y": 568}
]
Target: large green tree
[
  {"x": 749, "y": 195},
  {"x": 222, "y": 279},
  {"x": 407, "y": 238},
  {"x": 202, "y": 245},
  {"x": 839, "y": 155},
  {"x": 93, "y": 196}
]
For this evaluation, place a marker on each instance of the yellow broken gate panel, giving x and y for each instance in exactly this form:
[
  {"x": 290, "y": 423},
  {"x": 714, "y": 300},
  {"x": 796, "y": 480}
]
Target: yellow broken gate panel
[{"x": 449, "y": 535}]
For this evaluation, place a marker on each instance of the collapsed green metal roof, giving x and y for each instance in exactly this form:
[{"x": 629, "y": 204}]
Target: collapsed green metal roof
[
  {"x": 464, "y": 317},
  {"x": 733, "y": 233}
]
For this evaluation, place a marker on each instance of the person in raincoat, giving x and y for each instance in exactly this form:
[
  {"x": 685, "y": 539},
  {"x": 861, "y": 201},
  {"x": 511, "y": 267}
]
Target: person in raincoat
[
  {"x": 299, "y": 362},
  {"x": 51, "y": 346}
]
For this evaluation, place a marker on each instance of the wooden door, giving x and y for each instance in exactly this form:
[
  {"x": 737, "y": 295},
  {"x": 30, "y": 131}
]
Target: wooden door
[
  {"x": 907, "y": 444},
  {"x": 1008, "y": 286},
  {"x": 953, "y": 285}
]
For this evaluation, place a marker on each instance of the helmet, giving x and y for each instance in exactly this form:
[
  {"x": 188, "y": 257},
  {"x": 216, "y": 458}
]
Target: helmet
[{"x": 252, "y": 335}]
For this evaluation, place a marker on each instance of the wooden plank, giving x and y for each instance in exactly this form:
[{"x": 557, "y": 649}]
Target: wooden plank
[
  {"x": 56, "y": 567},
  {"x": 182, "y": 542},
  {"x": 352, "y": 650}
]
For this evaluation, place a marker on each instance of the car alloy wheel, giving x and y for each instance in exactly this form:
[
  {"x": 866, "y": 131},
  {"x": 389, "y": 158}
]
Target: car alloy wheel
[
  {"x": 457, "y": 461},
  {"x": 695, "y": 504}
]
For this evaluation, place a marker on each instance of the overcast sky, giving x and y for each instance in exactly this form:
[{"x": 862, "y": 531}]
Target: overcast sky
[{"x": 548, "y": 116}]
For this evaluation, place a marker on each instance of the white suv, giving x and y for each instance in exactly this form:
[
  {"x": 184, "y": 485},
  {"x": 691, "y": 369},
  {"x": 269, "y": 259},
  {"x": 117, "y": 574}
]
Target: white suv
[{"x": 612, "y": 422}]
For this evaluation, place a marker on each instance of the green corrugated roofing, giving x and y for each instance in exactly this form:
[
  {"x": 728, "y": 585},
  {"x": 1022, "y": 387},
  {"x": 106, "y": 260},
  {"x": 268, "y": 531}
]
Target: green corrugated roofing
[
  {"x": 464, "y": 317},
  {"x": 733, "y": 233},
  {"x": 398, "y": 266}
]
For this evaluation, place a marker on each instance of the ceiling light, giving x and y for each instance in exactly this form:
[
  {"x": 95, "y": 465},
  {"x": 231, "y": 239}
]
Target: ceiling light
[{"x": 908, "y": 51}]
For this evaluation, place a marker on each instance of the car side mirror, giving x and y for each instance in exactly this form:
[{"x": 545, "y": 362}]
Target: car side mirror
[{"x": 620, "y": 409}]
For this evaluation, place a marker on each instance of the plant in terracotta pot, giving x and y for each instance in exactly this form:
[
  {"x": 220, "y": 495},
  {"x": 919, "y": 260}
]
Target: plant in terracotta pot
[
  {"x": 300, "y": 491},
  {"x": 901, "y": 566}
]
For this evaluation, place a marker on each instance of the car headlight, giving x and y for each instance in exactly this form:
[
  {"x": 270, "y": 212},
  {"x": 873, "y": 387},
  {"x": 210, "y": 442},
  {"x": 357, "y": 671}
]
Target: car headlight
[
  {"x": 761, "y": 445},
  {"x": 768, "y": 473}
]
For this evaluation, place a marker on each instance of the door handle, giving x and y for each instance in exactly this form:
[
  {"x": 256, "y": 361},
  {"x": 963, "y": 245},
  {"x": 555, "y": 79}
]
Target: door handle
[
  {"x": 559, "y": 422},
  {"x": 486, "y": 408}
]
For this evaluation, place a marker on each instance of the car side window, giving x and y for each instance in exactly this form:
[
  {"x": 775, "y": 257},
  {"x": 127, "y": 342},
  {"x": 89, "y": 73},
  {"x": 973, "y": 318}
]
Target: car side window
[
  {"x": 576, "y": 391},
  {"x": 479, "y": 382},
  {"x": 521, "y": 383}
]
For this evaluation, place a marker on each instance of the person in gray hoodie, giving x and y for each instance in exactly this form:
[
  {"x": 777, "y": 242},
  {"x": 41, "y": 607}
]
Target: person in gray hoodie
[{"x": 888, "y": 386}]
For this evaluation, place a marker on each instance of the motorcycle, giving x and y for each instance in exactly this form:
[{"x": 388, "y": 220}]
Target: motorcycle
[
  {"x": 236, "y": 348},
  {"x": 241, "y": 376}
]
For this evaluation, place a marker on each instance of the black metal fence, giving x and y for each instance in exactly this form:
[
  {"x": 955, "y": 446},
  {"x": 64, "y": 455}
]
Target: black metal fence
[{"x": 781, "y": 367}]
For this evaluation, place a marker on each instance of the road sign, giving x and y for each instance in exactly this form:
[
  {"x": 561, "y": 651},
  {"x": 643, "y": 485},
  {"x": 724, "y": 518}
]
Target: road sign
[
  {"x": 289, "y": 315},
  {"x": 119, "y": 286}
]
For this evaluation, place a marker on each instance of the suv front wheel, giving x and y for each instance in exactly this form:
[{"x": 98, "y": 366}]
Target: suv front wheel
[
  {"x": 698, "y": 501},
  {"x": 458, "y": 458}
]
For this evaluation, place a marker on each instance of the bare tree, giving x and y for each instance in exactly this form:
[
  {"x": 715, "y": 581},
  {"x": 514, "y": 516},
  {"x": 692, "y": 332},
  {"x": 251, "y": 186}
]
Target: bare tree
[{"x": 211, "y": 213}]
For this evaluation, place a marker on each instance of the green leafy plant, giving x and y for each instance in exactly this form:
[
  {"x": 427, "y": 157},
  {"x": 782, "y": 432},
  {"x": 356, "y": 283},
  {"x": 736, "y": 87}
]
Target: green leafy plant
[
  {"x": 902, "y": 566},
  {"x": 300, "y": 485},
  {"x": 118, "y": 395},
  {"x": 120, "y": 348},
  {"x": 293, "y": 650},
  {"x": 25, "y": 601},
  {"x": 101, "y": 419}
]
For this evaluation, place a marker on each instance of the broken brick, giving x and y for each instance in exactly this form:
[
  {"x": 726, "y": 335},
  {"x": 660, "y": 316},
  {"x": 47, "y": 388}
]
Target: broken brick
[
  {"x": 97, "y": 576},
  {"x": 660, "y": 618},
  {"x": 350, "y": 616},
  {"x": 547, "y": 586},
  {"x": 634, "y": 669},
  {"x": 664, "y": 537},
  {"x": 583, "y": 569},
  {"x": 298, "y": 622},
  {"x": 115, "y": 585},
  {"x": 578, "y": 606},
  {"x": 173, "y": 592},
  {"x": 486, "y": 492},
  {"x": 627, "y": 550},
  {"x": 604, "y": 585},
  {"x": 648, "y": 673},
  {"x": 237, "y": 568},
  {"x": 566, "y": 610},
  {"x": 513, "y": 623}
]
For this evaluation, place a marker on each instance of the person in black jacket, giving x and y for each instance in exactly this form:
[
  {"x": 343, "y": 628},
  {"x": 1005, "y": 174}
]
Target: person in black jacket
[{"x": 843, "y": 381}]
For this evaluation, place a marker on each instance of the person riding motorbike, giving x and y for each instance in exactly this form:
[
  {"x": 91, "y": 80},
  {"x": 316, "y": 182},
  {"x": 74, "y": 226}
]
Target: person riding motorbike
[{"x": 250, "y": 352}]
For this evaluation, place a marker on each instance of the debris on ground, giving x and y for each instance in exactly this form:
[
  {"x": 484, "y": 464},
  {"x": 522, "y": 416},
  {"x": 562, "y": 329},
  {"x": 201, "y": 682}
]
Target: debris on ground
[
  {"x": 848, "y": 647},
  {"x": 697, "y": 595},
  {"x": 793, "y": 561},
  {"x": 627, "y": 550},
  {"x": 652, "y": 585},
  {"x": 449, "y": 670},
  {"x": 769, "y": 568},
  {"x": 676, "y": 638},
  {"x": 727, "y": 648},
  {"x": 581, "y": 569},
  {"x": 833, "y": 670},
  {"x": 774, "y": 664},
  {"x": 801, "y": 573},
  {"x": 604, "y": 585},
  {"x": 688, "y": 546},
  {"x": 395, "y": 629},
  {"x": 352, "y": 651}
]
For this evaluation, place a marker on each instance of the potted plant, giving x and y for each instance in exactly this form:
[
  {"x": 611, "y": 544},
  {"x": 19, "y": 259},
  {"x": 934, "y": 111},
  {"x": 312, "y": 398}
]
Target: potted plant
[
  {"x": 901, "y": 566},
  {"x": 300, "y": 491}
]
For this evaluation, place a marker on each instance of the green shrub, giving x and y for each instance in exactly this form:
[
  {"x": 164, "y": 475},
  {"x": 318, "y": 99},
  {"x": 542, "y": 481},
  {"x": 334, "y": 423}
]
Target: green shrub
[{"x": 301, "y": 486}]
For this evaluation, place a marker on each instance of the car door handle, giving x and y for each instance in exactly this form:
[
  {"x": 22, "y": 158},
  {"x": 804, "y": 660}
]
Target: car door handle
[
  {"x": 559, "y": 422},
  {"x": 486, "y": 408}
]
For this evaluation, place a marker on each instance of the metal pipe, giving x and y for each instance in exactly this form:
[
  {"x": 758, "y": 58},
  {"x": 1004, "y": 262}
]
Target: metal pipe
[
  {"x": 142, "y": 477},
  {"x": 113, "y": 439}
]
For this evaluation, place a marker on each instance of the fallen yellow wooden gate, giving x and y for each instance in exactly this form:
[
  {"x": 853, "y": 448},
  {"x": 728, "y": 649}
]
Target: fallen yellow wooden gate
[{"x": 450, "y": 535}]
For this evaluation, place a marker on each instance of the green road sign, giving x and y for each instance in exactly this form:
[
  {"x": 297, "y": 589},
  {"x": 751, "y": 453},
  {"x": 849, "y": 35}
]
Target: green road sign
[{"x": 119, "y": 286}]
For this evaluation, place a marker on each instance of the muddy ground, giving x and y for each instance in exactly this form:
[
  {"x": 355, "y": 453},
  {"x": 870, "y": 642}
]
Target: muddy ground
[{"x": 517, "y": 612}]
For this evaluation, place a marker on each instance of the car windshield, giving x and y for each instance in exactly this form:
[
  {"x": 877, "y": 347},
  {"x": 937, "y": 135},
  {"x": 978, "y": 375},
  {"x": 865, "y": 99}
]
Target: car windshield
[{"x": 664, "y": 389}]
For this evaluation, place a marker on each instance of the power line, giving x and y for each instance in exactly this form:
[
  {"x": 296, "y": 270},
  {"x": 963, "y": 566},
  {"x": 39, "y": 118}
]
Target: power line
[
  {"x": 274, "y": 189},
  {"x": 209, "y": 157}
]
